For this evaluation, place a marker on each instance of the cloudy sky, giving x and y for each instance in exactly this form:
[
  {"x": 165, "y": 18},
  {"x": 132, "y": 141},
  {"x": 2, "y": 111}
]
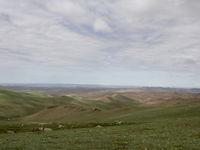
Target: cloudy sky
[{"x": 118, "y": 42}]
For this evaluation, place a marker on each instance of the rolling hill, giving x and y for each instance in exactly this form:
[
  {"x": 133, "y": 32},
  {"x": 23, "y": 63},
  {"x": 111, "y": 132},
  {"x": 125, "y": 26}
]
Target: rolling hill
[
  {"x": 34, "y": 107},
  {"x": 113, "y": 121},
  {"x": 14, "y": 104}
]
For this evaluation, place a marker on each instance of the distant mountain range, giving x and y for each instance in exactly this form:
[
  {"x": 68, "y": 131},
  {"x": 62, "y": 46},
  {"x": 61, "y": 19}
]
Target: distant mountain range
[{"x": 23, "y": 86}]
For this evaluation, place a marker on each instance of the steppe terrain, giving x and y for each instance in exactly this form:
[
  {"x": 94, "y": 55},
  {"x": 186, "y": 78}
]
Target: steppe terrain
[{"x": 99, "y": 118}]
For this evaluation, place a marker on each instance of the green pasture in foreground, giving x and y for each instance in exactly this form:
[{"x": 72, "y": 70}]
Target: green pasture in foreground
[
  {"x": 166, "y": 134},
  {"x": 175, "y": 127},
  {"x": 169, "y": 128}
]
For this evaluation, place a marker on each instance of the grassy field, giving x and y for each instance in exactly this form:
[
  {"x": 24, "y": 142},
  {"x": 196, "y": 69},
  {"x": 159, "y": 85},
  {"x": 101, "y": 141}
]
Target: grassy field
[{"x": 121, "y": 124}]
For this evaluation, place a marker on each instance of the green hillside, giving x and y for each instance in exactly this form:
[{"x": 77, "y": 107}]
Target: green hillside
[
  {"x": 17, "y": 104},
  {"x": 118, "y": 124},
  {"x": 14, "y": 104}
]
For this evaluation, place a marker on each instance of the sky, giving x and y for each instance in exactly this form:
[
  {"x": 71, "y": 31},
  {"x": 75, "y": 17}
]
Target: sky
[{"x": 111, "y": 42}]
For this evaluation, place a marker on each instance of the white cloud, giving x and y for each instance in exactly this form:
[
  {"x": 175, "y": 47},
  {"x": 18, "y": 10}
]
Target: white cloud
[
  {"x": 69, "y": 10},
  {"x": 128, "y": 35},
  {"x": 101, "y": 26}
]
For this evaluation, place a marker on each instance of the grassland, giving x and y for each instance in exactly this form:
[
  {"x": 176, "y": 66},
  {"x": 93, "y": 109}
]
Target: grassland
[{"x": 123, "y": 123}]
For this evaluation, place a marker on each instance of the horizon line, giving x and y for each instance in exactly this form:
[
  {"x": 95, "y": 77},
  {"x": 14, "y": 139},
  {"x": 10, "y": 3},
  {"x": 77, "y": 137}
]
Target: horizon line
[{"x": 103, "y": 85}]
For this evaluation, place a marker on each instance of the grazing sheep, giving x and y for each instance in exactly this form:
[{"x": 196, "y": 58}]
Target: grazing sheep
[
  {"x": 40, "y": 129},
  {"x": 60, "y": 126},
  {"x": 47, "y": 129},
  {"x": 119, "y": 122},
  {"x": 98, "y": 126},
  {"x": 11, "y": 132}
]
